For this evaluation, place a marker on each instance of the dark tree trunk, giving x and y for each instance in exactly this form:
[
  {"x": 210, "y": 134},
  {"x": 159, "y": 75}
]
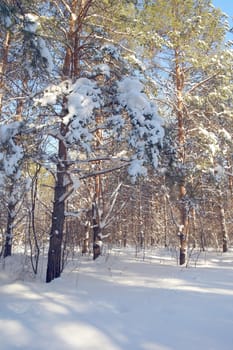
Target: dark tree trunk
[
  {"x": 96, "y": 233},
  {"x": 224, "y": 230},
  {"x": 71, "y": 70},
  {"x": 56, "y": 234},
  {"x": 183, "y": 249},
  {"x": 184, "y": 228},
  {"x": 54, "y": 265},
  {"x": 9, "y": 230}
]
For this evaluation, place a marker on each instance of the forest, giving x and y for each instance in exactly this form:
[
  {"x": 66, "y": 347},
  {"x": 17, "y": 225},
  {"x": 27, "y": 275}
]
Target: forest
[{"x": 115, "y": 128}]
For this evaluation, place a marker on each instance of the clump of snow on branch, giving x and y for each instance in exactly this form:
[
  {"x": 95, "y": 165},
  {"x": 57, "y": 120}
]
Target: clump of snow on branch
[
  {"x": 87, "y": 98},
  {"x": 218, "y": 172},
  {"x": 102, "y": 69},
  {"x": 116, "y": 123},
  {"x": 137, "y": 168},
  {"x": 53, "y": 92},
  {"x": 111, "y": 50},
  {"x": 212, "y": 141},
  {"x": 225, "y": 134},
  {"x": 11, "y": 154},
  {"x": 83, "y": 99},
  {"x": 147, "y": 132},
  {"x": 8, "y": 131},
  {"x": 32, "y": 25},
  {"x": 44, "y": 51}
]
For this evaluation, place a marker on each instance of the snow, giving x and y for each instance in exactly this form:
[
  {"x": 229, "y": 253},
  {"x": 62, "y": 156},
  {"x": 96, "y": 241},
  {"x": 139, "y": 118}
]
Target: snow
[
  {"x": 136, "y": 168},
  {"x": 44, "y": 51},
  {"x": 31, "y": 23},
  {"x": 218, "y": 172},
  {"x": 10, "y": 153},
  {"x": 147, "y": 130},
  {"x": 103, "y": 69},
  {"x": 8, "y": 131},
  {"x": 120, "y": 302},
  {"x": 225, "y": 134},
  {"x": 131, "y": 95},
  {"x": 11, "y": 161},
  {"x": 84, "y": 102}
]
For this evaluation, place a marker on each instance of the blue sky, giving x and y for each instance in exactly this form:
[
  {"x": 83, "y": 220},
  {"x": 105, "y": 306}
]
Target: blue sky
[{"x": 227, "y": 7}]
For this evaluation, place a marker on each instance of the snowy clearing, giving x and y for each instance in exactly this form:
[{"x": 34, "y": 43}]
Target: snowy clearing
[{"x": 120, "y": 302}]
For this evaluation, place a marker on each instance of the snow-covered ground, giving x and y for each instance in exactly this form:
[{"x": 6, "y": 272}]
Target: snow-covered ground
[{"x": 120, "y": 302}]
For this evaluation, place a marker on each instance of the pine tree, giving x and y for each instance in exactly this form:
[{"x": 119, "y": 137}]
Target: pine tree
[
  {"x": 98, "y": 113},
  {"x": 184, "y": 38}
]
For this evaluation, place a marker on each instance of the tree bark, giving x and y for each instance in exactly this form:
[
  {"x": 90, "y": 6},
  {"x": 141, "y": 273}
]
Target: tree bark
[
  {"x": 96, "y": 233},
  {"x": 97, "y": 241},
  {"x": 3, "y": 64},
  {"x": 58, "y": 214},
  {"x": 70, "y": 70},
  {"x": 97, "y": 206},
  {"x": 224, "y": 230},
  {"x": 9, "y": 230},
  {"x": 184, "y": 227}
]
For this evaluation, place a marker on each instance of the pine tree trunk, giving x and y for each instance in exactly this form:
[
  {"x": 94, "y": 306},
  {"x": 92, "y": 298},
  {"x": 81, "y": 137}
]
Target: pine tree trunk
[
  {"x": 96, "y": 232},
  {"x": 184, "y": 228},
  {"x": 3, "y": 64},
  {"x": 9, "y": 230},
  {"x": 85, "y": 244},
  {"x": 97, "y": 205},
  {"x": 71, "y": 70},
  {"x": 224, "y": 230},
  {"x": 165, "y": 221},
  {"x": 179, "y": 79},
  {"x": 56, "y": 234},
  {"x": 54, "y": 265}
]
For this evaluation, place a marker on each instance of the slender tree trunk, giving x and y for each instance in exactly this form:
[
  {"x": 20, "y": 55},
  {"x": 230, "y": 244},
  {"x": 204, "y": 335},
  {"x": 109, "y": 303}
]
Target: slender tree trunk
[
  {"x": 194, "y": 227},
  {"x": 96, "y": 217},
  {"x": 9, "y": 229},
  {"x": 3, "y": 64},
  {"x": 33, "y": 239},
  {"x": 184, "y": 230},
  {"x": 184, "y": 225},
  {"x": 97, "y": 206},
  {"x": 85, "y": 244},
  {"x": 96, "y": 232},
  {"x": 224, "y": 229},
  {"x": 165, "y": 218}
]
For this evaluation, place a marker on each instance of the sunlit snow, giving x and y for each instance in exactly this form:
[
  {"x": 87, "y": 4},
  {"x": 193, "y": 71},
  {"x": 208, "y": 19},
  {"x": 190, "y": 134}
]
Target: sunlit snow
[{"x": 125, "y": 300}]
